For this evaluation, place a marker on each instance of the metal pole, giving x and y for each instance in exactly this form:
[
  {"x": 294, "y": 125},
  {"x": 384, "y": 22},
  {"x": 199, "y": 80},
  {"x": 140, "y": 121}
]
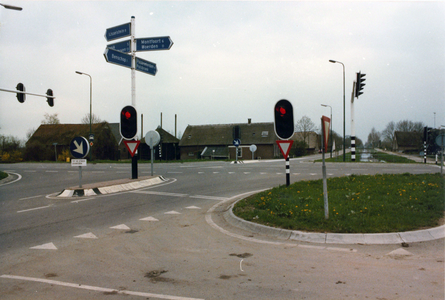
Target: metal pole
[
  {"x": 287, "y": 171},
  {"x": 352, "y": 125},
  {"x": 133, "y": 62},
  {"x": 80, "y": 176},
  {"x": 152, "y": 154}
]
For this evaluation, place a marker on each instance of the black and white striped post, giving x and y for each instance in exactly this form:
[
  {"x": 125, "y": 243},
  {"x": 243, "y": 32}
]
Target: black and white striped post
[{"x": 287, "y": 171}]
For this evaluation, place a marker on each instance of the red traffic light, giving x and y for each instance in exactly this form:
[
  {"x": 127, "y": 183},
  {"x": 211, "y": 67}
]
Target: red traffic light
[
  {"x": 126, "y": 114},
  {"x": 281, "y": 110}
]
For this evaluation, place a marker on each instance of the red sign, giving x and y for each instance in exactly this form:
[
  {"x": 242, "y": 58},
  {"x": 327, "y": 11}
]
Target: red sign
[
  {"x": 132, "y": 146},
  {"x": 325, "y": 125},
  {"x": 285, "y": 147}
]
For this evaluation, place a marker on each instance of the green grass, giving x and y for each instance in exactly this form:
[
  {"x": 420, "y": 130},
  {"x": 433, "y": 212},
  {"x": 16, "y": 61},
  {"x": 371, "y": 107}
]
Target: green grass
[
  {"x": 357, "y": 204},
  {"x": 3, "y": 175}
]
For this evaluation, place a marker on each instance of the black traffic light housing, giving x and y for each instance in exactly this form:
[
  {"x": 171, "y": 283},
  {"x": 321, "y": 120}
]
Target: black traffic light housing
[
  {"x": 50, "y": 99},
  {"x": 20, "y": 96},
  {"x": 359, "y": 84},
  {"x": 284, "y": 119},
  {"x": 128, "y": 125}
]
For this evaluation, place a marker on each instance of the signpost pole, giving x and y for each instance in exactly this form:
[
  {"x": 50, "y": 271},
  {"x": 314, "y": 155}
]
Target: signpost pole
[
  {"x": 324, "y": 133},
  {"x": 287, "y": 171},
  {"x": 152, "y": 154},
  {"x": 133, "y": 62},
  {"x": 80, "y": 176}
]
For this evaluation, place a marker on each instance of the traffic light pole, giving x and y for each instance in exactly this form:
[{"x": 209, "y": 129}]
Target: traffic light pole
[
  {"x": 26, "y": 93},
  {"x": 352, "y": 124}
]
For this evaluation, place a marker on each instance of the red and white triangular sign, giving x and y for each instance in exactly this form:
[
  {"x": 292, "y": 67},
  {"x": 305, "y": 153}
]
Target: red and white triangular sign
[
  {"x": 285, "y": 146},
  {"x": 132, "y": 146},
  {"x": 325, "y": 123}
]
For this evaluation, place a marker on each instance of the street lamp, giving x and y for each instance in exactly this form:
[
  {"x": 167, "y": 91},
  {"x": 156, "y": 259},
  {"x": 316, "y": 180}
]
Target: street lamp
[
  {"x": 344, "y": 122},
  {"x": 7, "y": 6},
  {"x": 331, "y": 125},
  {"x": 91, "y": 103}
]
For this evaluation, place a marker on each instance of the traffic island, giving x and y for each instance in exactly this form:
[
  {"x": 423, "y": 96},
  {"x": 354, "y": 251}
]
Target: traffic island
[{"x": 110, "y": 187}]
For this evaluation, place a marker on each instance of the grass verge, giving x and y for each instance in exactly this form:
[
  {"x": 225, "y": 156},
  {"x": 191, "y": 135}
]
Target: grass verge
[
  {"x": 3, "y": 175},
  {"x": 357, "y": 204}
]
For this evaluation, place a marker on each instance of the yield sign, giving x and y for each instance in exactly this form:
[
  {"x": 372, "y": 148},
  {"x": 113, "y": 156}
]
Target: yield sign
[
  {"x": 132, "y": 146},
  {"x": 285, "y": 146},
  {"x": 325, "y": 125}
]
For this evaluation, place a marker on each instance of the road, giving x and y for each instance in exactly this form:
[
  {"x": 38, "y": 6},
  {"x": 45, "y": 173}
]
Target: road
[{"x": 158, "y": 242}]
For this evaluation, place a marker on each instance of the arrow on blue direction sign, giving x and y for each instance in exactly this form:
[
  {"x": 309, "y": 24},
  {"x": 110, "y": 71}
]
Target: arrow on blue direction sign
[
  {"x": 154, "y": 43},
  {"x": 79, "y": 147},
  {"x": 118, "y": 58},
  {"x": 121, "y": 46},
  {"x": 118, "y": 32},
  {"x": 145, "y": 66}
]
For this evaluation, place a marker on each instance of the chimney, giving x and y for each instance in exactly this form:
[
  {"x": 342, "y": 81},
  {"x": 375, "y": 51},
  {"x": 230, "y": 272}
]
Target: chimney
[{"x": 249, "y": 121}]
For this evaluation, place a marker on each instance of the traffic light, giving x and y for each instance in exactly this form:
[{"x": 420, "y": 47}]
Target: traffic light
[
  {"x": 128, "y": 125},
  {"x": 359, "y": 84},
  {"x": 50, "y": 99},
  {"x": 284, "y": 119},
  {"x": 21, "y": 97}
]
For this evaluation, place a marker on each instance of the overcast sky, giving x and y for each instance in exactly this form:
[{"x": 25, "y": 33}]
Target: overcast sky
[{"x": 230, "y": 61}]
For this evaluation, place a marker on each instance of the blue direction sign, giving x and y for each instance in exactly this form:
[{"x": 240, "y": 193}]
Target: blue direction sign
[
  {"x": 118, "y": 32},
  {"x": 79, "y": 147},
  {"x": 154, "y": 43},
  {"x": 121, "y": 46},
  {"x": 145, "y": 66},
  {"x": 118, "y": 58},
  {"x": 236, "y": 142}
]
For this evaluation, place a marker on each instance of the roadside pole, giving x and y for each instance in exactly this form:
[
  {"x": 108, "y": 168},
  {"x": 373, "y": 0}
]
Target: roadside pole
[{"x": 325, "y": 125}]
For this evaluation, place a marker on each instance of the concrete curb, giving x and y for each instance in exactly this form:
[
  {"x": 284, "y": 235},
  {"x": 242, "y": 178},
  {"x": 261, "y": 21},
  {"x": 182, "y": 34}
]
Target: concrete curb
[
  {"x": 336, "y": 238},
  {"x": 102, "y": 189}
]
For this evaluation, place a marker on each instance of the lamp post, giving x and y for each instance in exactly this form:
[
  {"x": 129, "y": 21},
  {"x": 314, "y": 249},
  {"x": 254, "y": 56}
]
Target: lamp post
[
  {"x": 330, "y": 125},
  {"x": 91, "y": 102},
  {"x": 344, "y": 122},
  {"x": 7, "y": 6}
]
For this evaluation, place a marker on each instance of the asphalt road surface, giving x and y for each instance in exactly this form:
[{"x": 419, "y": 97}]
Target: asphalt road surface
[{"x": 170, "y": 241}]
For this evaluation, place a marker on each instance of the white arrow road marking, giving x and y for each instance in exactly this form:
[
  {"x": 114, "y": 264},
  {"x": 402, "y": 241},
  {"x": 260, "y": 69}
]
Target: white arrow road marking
[
  {"x": 121, "y": 227},
  {"x": 88, "y": 235},
  {"x": 79, "y": 148},
  {"x": 48, "y": 246}
]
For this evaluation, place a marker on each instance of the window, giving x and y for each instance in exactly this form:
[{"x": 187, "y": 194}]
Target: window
[{"x": 265, "y": 133}]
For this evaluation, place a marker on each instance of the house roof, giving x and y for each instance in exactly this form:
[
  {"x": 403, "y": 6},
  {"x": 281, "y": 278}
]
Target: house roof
[
  {"x": 222, "y": 134},
  {"x": 408, "y": 139},
  {"x": 62, "y": 134}
]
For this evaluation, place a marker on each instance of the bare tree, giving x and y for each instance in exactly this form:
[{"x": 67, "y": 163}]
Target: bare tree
[
  {"x": 409, "y": 126},
  {"x": 94, "y": 119},
  {"x": 305, "y": 126},
  {"x": 51, "y": 119},
  {"x": 374, "y": 137}
]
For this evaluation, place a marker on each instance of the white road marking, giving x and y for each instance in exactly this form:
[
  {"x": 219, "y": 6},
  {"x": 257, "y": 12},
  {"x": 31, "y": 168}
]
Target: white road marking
[
  {"x": 209, "y": 197},
  {"x": 88, "y": 235},
  {"x": 193, "y": 207},
  {"x": 30, "y": 197},
  {"x": 31, "y": 209},
  {"x": 48, "y": 246},
  {"x": 97, "y": 289},
  {"x": 149, "y": 219},
  {"x": 172, "y": 212},
  {"x": 121, "y": 227},
  {"x": 159, "y": 193}
]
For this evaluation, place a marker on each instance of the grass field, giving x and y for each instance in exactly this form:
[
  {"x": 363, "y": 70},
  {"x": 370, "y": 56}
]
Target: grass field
[{"x": 357, "y": 204}]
